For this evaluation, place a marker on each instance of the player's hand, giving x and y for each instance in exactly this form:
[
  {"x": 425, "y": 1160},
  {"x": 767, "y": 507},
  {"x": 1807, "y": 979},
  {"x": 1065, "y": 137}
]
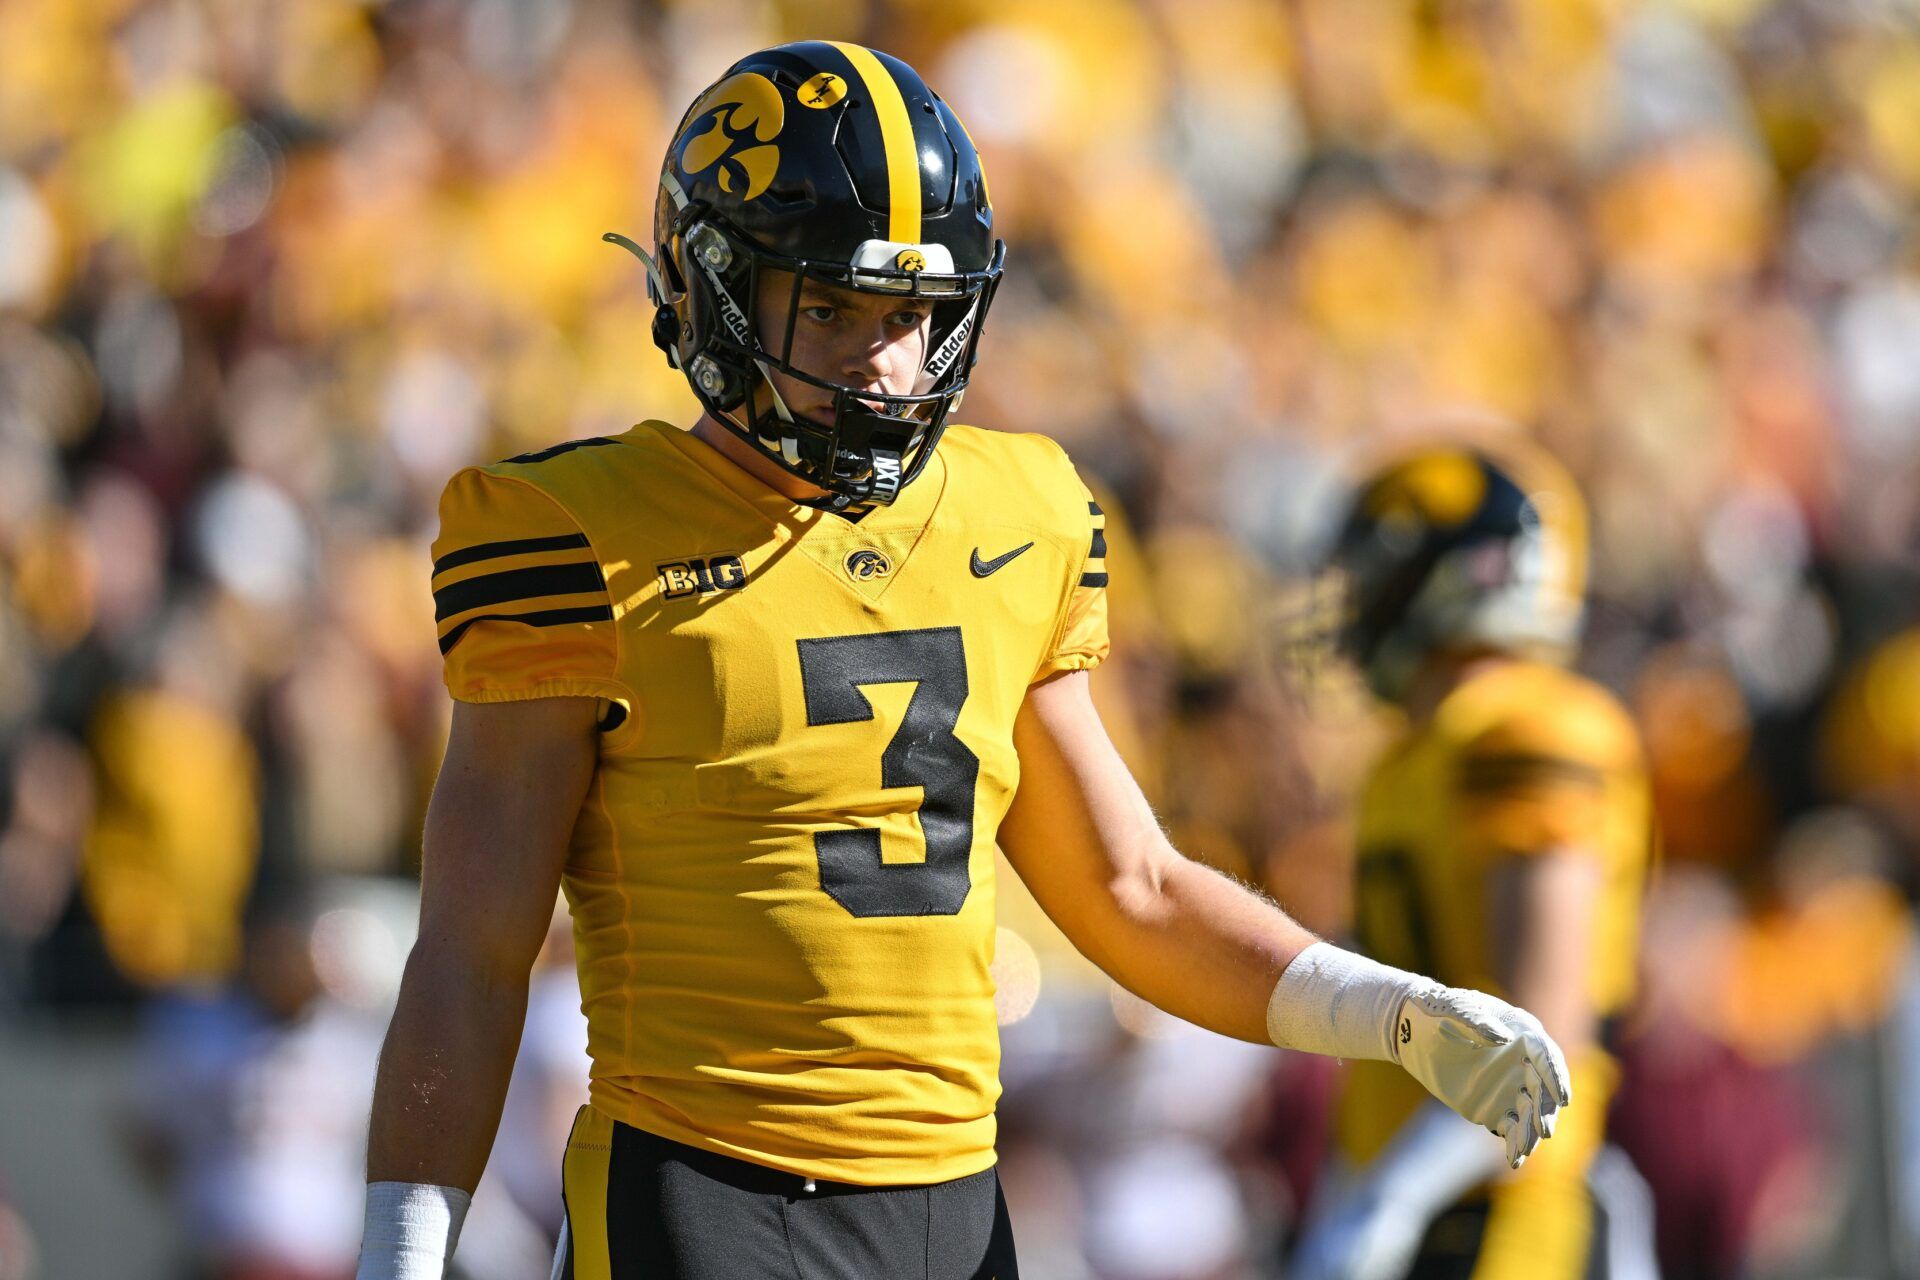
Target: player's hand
[
  {"x": 1363, "y": 1234},
  {"x": 1494, "y": 1064}
]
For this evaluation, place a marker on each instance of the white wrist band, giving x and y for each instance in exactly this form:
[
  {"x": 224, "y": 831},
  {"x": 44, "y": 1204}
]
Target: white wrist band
[
  {"x": 1336, "y": 1003},
  {"x": 411, "y": 1230}
]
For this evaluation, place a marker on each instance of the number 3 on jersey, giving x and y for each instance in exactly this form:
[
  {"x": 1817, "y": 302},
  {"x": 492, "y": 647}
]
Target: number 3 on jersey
[{"x": 923, "y": 753}]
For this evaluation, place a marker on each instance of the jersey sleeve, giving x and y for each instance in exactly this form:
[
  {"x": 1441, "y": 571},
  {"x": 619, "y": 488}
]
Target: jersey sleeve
[
  {"x": 518, "y": 596},
  {"x": 1082, "y": 643},
  {"x": 1545, "y": 777}
]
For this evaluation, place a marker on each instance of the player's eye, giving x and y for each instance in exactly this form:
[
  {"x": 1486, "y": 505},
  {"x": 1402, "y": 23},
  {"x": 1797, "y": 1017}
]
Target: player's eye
[
  {"x": 819, "y": 313},
  {"x": 909, "y": 318}
]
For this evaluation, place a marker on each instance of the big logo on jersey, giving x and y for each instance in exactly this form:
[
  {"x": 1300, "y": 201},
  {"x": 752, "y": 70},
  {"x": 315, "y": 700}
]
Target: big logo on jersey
[
  {"x": 733, "y": 127},
  {"x": 701, "y": 575}
]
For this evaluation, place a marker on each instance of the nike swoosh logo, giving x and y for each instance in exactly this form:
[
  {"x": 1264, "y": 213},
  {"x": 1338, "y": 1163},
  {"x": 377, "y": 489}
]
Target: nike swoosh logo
[{"x": 981, "y": 568}]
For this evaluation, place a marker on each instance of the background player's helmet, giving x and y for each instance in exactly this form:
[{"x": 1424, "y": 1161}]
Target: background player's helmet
[
  {"x": 836, "y": 163},
  {"x": 1451, "y": 548}
]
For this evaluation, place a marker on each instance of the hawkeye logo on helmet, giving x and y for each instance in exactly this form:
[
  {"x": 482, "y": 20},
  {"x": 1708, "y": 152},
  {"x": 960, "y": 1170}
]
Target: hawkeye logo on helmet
[
  {"x": 891, "y": 264},
  {"x": 741, "y": 115}
]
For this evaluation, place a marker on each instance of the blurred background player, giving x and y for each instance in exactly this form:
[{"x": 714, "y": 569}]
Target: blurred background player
[{"x": 1503, "y": 842}]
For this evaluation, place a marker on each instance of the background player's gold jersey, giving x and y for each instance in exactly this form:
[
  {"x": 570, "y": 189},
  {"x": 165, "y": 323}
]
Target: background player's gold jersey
[
  {"x": 1522, "y": 759},
  {"x": 782, "y": 877}
]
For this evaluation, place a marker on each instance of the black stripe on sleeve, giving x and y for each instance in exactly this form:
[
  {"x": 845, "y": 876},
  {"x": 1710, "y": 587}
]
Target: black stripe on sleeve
[
  {"x": 538, "y": 618},
  {"x": 1093, "y": 579},
  {"x": 1518, "y": 769},
  {"x": 516, "y": 584},
  {"x": 1099, "y": 545},
  {"x": 565, "y": 446},
  {"x": 511, "y": 547},
  {"x": 1093, "y": 509}
]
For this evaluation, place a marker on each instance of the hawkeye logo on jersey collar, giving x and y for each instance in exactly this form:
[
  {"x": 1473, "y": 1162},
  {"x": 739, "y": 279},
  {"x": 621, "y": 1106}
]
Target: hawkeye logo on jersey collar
[
  {"x": 867, "y": 563},
  {"x": 700, "y": 575}
]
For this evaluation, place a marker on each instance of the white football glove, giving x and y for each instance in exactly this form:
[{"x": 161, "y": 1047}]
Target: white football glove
[
  {"x": 1491, "y": 1062},
  {"x": 1494, "y": 1064}
]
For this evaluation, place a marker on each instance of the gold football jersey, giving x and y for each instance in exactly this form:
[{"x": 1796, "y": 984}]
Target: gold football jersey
[
  {"x": 782, "y": 878},
  {"x": 1524, "y": 758}
]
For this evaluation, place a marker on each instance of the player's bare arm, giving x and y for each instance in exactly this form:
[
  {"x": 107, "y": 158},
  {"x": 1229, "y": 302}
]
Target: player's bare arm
[
  {"x": 1203, "y": 948},
  {"x": 496, "y": 836},
  {"x": 1082, "y": 836}
]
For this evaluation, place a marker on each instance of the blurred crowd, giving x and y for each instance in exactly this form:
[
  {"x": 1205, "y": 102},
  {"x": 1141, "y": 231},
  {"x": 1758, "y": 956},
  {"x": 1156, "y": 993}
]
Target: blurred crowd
[{"x": 270, "y": 270}]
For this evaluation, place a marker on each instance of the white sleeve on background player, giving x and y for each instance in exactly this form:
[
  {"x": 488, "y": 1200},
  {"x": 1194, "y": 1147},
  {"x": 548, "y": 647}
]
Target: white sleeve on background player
[
  {"x": 1370, "y": 1224},
  {"x": 1494, "y": 1064}
]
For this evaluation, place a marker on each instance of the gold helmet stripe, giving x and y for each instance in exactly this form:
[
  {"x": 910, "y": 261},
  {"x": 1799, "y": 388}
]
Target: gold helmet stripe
[{"x": 896, "y": 138}]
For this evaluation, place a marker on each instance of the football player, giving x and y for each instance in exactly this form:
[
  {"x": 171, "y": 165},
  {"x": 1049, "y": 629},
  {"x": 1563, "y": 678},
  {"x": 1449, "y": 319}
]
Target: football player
[
  {"x": 1503, "y": 844},
  {"x": 761, "y": 696}
]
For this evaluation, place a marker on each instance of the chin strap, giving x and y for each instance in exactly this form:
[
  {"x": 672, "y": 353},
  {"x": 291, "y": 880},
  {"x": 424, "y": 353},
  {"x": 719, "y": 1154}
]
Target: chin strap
[
  {"x": 788, "y": 440},
  {"x": 884, "y": 439}
]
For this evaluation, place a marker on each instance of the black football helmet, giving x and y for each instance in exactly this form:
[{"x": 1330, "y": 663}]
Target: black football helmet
[
  {"x": 1452, "y": 547},
  {"x": 836, "y": 163}
]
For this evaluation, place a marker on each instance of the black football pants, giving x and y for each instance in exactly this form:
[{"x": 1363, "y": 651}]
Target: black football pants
[{"x": 640, "y": 1207}]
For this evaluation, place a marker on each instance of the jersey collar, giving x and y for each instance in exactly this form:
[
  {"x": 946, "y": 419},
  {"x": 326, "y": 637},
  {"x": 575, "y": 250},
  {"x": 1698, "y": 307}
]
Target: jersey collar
[{"x": 913, "y": 508}]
